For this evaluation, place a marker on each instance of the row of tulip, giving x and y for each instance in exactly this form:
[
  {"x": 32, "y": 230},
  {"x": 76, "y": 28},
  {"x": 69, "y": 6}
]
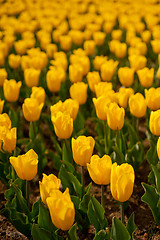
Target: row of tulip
[{"x": 61, "y": 70}]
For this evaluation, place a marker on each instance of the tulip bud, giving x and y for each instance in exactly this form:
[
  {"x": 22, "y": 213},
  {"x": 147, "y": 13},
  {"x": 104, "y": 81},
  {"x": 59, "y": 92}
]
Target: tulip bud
[
  {"x": 31, "y": 109},
  {"x": 98, "y": 61},
  {"x": 146, "y": 36},
  {"x": 116, "y": 34},
  {"x": 99, "y": 38},
  {"x": 5, "y": 120},
  {"x": 120, "y": 50},
  {"x": 122, "y": 181},
  {"x": 11, "y": 90},
  {"x": 108, "y": 69},
  {"x": 25, "y": 165},
  {"x": 137, "y": 105},
  {"x": 78, "y": 91},
  {"x": 146, "y": 76},
  {"x": 14, "y": 61},
  {"x": 115, "y": 116},
  {"x": 66, "y": 42},
  {"x": 31, "y": 77},
  {"x": 61, "y": 209},
  {"x": 89, "y": 47},
  {"x": 93, "y": 78},
  {"x": 63, "y": 125},
  {"x": 123, "y": 96},
  {"x": 1, "y": 105},
  {"x": 9, "y": 139},
  {"x": 156, "y": 46},
  {"x": 154, "y": 122},
  {"x": 53, "y": 81},
  {"x": 158, "y": 148},
  {"x": 137, "y": 62},
  {"x": 102, "y": 88},
  {"x": 100, "y": 104},
  {"x": 3, "y": 76},
  {"x": 71, "y": 106},
  {"x": 100, "y": 169},
  {"x": 75, "y": 73},
  {"x": 49, "y": 183},
  {"x": 126, "y": 76},
  {"x": 153, "y": 98},
  {"x": 82, "y": 149},
  {"x": 39, "y": 94}
]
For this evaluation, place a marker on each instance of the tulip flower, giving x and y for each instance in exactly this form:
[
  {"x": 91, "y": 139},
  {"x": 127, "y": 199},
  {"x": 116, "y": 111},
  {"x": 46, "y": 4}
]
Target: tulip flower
[
  {"x": 65, "y": 42},
  {"x": 53, "y": 81},
  {"x": 78, "y": 91},
  {"x": 9, "y": 138},
  {"x": 61, "y": 209},
  {"x": 3, "y": 76},
  {"x": 137, "y": 62},
  {"x": 75, "y": 72},
  {"x": 100, "y": 104},
  {"x": 49, "y": 183},
  {"x": 99, "y": 38},
  {"x": 126, "y": 76},
  {"x": 115, "y": 116},
  {"x": 137, "y": 105},
  {"x": 31, "y": 77},
  {"x": 98, "y": 61},
  {"x": 5, "y": 120},
  {"x": 89, "y": 47},
  {"x": 1, "y": 105},
  {"x": 11, "y": 90},
  {"x": 123, "y": 96},
  {"x": 146, "y": 76},
  {"x": 108, "y": 69},
  {"x": 63, "y": 125},
  {"x": 31, "y": 109},
  {"x": 25, "y": 165},
  {"x": 39, "y": 94},
  {"x": 14, "y": 61},
  {"x": 154, "y": 122},
  {"x": 71, "y": 106},
  {"x": 153, "y": 98},
  {"x": 102, "y": 88},
  {"x": 93, "y": 78}
]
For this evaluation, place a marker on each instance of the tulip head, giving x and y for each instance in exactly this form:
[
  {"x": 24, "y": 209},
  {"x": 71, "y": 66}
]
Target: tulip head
[
  {"x": 82, "y": 149},
  {"x": 154, "y": 122},
  {"x": 123, "y": 96},
  {"x": 25, "y": 165},
  {"x": 31, "y": 109},
  {"x": 153, "y": 98},
  {"x": 126, "y": 76},
  {"x": 78, "y": 91},
  {"x": 122, "y": 181},
  {"x": 100, "y": 104},
  {"x": 11, "y": 90},
  {"x": 146, "y": 76},
  {"x": 31, "y": 77},
  {"x": 3, "y": 76},
  {"x": 137, "y": 105},
  {"x": 108, "y": 69},
  {"x": 93, "y": 79},
  {"x": 14, "y": 61},
  {"x": 100, "y": 169},
  {"x": 39, "y": 94}
]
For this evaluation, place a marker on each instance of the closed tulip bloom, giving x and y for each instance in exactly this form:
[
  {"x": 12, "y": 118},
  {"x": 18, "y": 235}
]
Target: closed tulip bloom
[
  {"x": 31, "y": 109},
  {"x": 49, "y": 183},
  {"x": 115, "y": 116},
  {"x": 137, "y": 62},
  {"x": 126, "y": 76},
  {"x": 5, "y": 120},
  {"x": 120, "y": 50},
  {"x": 89, "y": 47},
  {"x": 63, "y": 125},
  {"x": 14, "y": 61},
  {"x": 20, "y": 47},
  {"x": 75, "y": 73},
  {"x": 78, "y": 91},
  {"x": 99, "y": 38},
  {"x": 57, "y": 107},
  {"x": 31, "y": 77},
  {"x": 158, "y": 148},
  {"x": 116, "y": 34},
  {"x": 102, "y": 88},
  {"x": 25, "y": 165},
  {"x": 100, "y": 104},
  {"x": 98, "y": 61},
  {"x": 93, "y": 78},
  {"x": 39, "y": 94},
  {"x": 146, "y": 76},
  {"x": 137, "y": 105},
  {"x": 71, "y": 106},
  {"x": 153, "y": 98},
  {"x": 154, "y": 122},
  {"x": 158, "y": 73},
  {"x": 123, "y": 96},
  {"x": 11, "y": 90},
  {"x": 82, "y": 149},
  {"x": 65, "y": 42},
  {"x": 77, "y": 37},
  {"x": 51, "y": 48},
  {"x": 146, "y": 36},
  {"x": 1, "y": 105},
  {"x": 9, "y": 140},
  {"x": 3, "y": 76},
  {"x": 108, "y": 69},
  {"x": 156, "y": 46},
  {"x": 53, "y": 81},
  {"x": 61, "y": 209},
  {"x": 100, "y": 169},
  {"x": 142, "y": 48},
  {"x": 122, "y": 181}
]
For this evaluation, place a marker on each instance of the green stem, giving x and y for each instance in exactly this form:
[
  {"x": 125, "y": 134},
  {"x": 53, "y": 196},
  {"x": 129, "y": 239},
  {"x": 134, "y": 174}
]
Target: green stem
[
  {"x": 105, "y": 138},
  {"x": 122, "y": 212},
  {"x": 102, "y": 195},
  {"x": 27, "y": 191},
  {"x": 82, "y": 180}
]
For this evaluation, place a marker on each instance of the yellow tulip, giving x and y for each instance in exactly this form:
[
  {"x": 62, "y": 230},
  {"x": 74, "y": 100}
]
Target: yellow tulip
[
  {"x": 154, "y": 122},
  {"x": 1, "y": 105},
  {"x": 120, "y": 50},
  {"x": 31, "y": 109},
  {"x": 158, "y": 148},
  {"x": 89, "y": 47},
  {"x": 100, "y": 104},
  {"x": 25, "y": 165},
  {"x": 99, "y": 38},
  {"x": 100, "y": 169},
  {"x": 116, "y": 34},
  {"x": 61, "y": 209},
  {"x": 78, "y": 91},
  {"x": 126, "y": 76},
  {"x": 137, "y": 105},
  {"x": 146, "y": 36},
  {"x": 75, "y": 72},
  {"x": 115, "y": 116},
  {"x": 98, "y": 61},
  {"x": 146, "y": 76},
  {"x": 122, "y": 181},
  {"x": 82, "y": 149},
  {"x": 102, "y": 88},
  {"x": 5, "y": 120},
  {"x": 14, "y": 61},
  {"x": 153, "y": 98},
  {"x": 3, "y": 76},
  {"x": 51, "y": 48},
  {"x": 108, "y": 69},
  {"x": 93, "y": 78},
  {"x": 158, "y": 73},
  {"x": 156, "y": 46},
  {"x": 137, "y": 62},
  {"x": 9, "y": 140},
  {"x": 123, "y": 96},
  {"x": 49, "y": 183},
  {"x": 71, "y": 106},
  {"x": 63, "y": 125},
  {"x": 53, "y": 81},
  {"x": 65, "y": 42},
  {"x": 31, "y": 77},
  {"x": 39, "y": 94},
  {"x": 11, "y": 90}
]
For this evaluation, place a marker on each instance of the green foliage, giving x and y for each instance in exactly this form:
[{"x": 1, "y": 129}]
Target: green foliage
[
  {"x": 131, "y": 226},
  {"x": 119, "y": 232},
  {"x": 152, "y": 156}
]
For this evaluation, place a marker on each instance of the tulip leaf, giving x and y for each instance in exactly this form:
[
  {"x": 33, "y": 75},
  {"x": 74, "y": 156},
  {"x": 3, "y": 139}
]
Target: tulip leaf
[
  {"x": 31, "y": 131},
  {"x": 119, "y": 232},
  {"x": 157, "y": 177},
  {"x": 72, "y": 233},
  {"x": 40, "y": 233},
  {"x": 131, "y": 226},
  {"x": 120, "y": 143},
  {"x": 84, "y": 203},
  {"x": 135, "y": 155},
  {"x": 78, "y": 123},
  {"x": 76, "y": 184},
  {"x": 88, "y": 188},
  {"x": 101, "y": 235},
  {"x": 133, "y": 136},
  {"x": 56, "y": 159},
  {"x": 117, "y": 155},
  {"x": 67, "y": 152},
  {"x": 35, "y": 209},
  {"x": 96, "y": 214},
  {"x": 44, "y": 219},
  {"x": 152, "y": 155},
  {"x": 151, "y": 197},
  {"x": 76, "y": 201}
]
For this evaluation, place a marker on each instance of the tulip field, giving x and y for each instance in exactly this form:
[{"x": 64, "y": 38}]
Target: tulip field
[{"x": 80, "y": 119}]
